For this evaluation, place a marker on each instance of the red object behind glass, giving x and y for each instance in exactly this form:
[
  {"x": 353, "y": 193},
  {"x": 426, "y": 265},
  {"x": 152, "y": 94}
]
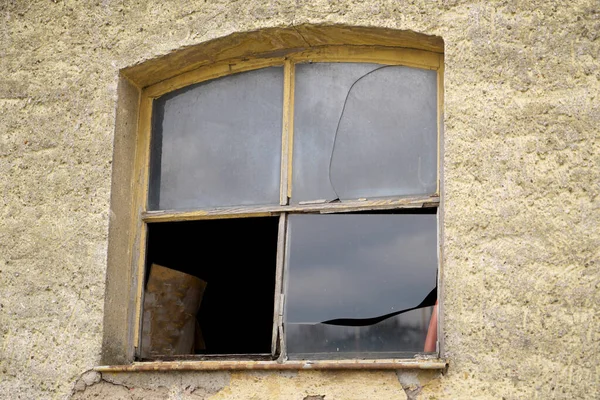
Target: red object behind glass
[{"x": 431, "y": 338}]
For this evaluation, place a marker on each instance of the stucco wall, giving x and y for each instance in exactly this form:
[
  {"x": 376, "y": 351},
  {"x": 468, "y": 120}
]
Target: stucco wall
[{"x": 521, "y": 176}]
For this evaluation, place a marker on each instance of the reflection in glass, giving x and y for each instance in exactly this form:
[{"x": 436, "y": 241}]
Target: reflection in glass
[
  {"x": 218, "y": 143},
  {"x": 364, "y": 130},
  {"x": 357, "y": 267},
  {"x": 402, "y": 335}
]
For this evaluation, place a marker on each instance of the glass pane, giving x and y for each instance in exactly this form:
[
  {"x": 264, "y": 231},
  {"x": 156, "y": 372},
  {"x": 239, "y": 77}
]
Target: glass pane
[
  {"x": 359, "y": 284},
  {"x": 218, "y": 143},
  {"x": 364, "y": 130}
]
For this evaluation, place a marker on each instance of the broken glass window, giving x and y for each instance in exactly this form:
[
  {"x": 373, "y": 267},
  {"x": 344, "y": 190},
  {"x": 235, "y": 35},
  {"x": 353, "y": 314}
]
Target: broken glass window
[
  {"x": 359, "y": 285},
  {"x": 218, "y": 143},
  {"x": 364, "y": 131}
]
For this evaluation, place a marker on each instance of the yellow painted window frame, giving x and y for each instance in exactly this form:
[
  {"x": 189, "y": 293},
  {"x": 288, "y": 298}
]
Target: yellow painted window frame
[{"x": 141, "y": 216}]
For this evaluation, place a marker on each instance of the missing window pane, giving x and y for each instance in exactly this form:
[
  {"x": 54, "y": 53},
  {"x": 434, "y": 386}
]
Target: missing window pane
[
  {"x": 359, "y": 285},
  {"x": 236, "y": 261}
]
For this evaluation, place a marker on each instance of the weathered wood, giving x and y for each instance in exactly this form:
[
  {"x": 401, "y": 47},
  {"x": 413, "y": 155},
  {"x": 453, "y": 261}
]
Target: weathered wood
[
  {"x": 140, "y": 189},
  {"x": 440, "y": 115},
  {"x": 213, "y": 357},
  {"x": 286, "y": 137},
  {"x": 210, "y": 72},
  {"x": 322, "y": 35},
  {"x": 277, "y": 311},
  {"x": 369, "y": 54},
  {"x": 290, "y": 130},
  {"x": 250, "y": 211},
  {"x": 274, "y": 42},
  {"x": 440, "y": 213},
  {"x": 390, "y": 364},
  {"x": 382, "y": 55}
]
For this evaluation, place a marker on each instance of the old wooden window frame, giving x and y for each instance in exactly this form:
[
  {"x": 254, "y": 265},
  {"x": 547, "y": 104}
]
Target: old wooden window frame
[{"x": 411, "y": 57}]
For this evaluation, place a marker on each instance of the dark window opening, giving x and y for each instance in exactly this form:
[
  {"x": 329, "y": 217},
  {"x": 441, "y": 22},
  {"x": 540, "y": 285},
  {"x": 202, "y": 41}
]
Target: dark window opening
[{"x": 237, "y": 260}]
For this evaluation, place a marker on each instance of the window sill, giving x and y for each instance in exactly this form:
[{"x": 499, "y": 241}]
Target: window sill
[{"x": 389, "y": 364}]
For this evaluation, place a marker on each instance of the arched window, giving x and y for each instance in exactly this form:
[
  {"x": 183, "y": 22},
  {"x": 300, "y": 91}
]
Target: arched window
[{"x": 295, "y": 198}]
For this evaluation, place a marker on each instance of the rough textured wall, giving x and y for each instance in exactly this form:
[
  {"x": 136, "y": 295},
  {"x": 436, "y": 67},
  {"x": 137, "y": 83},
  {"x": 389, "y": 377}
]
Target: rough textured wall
[{"x": 522, "y": 178}]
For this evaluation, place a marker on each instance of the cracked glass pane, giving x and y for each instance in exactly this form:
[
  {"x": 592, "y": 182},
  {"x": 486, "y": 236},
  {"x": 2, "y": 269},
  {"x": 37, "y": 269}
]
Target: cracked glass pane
[
  {"x": 218, "y": 143},
  {"x": 359, "y": 285},
  {"x": 364, "y": 131}
]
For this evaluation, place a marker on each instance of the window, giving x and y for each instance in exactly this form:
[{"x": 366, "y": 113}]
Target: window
[{"x": 290, "y": 207}]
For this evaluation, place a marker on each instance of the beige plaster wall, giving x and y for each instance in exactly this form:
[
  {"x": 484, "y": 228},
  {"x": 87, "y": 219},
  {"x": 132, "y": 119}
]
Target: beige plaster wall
[{"x": 521, "y": 176}]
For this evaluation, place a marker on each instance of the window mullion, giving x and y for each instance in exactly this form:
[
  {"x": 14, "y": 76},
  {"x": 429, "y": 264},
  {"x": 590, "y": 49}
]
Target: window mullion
[
  {"x": 287, "y": 132},
  {"x": 278, "y": 302}
]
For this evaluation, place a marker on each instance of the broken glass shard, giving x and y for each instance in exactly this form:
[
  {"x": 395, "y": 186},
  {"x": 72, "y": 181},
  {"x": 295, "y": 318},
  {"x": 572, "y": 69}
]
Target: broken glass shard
[
  {"x": 218, "y": 143},
  {"x": 364, "y": 131},
  {"x": 359, "y": 285}
]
